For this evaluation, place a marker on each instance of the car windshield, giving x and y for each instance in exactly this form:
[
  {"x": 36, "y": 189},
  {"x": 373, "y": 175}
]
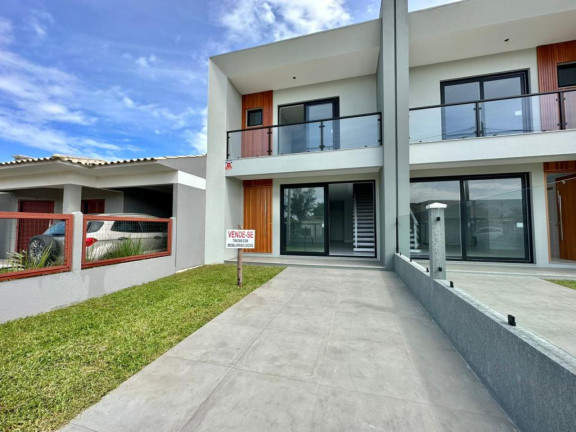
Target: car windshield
[{"x": 58, "y": 229}]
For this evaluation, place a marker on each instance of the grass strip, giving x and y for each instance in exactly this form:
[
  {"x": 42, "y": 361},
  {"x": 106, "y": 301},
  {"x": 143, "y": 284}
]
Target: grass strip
[
  {"x": 55, "y": 365},
  {"x": 567, "y": 283}
]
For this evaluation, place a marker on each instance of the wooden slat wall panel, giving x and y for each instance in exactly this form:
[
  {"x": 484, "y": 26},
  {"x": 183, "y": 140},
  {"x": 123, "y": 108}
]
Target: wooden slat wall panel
[
  {"x": 556, "y": 167},
  {"x": 548, "y": 58},
  {"x": 255, "y": 143},
  {"x": 258, "y": 213}
]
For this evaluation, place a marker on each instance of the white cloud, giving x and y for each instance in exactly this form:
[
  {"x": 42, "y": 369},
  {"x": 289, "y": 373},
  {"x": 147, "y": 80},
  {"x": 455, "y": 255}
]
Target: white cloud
[
  {"x": 54, "y": 141},
  {"x": 255, "y": 21},
  {"x": 39, "y": 21},
  {"x": 48, "y": 108},
  {"x": 198, "y": 139},
  {"x": 5, "y": 31},
  {"x": 146, "y": 62}
]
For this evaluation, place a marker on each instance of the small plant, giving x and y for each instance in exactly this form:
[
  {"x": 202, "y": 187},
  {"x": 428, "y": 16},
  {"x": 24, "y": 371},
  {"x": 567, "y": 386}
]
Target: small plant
[
  {"x": 125, "y": 248},
  {"x": 18, "y": 261}
]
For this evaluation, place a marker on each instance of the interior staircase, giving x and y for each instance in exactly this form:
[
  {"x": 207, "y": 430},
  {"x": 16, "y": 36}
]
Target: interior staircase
[
  {"x": 414, "y": 240},
  {"x": 364, "y": 219}
]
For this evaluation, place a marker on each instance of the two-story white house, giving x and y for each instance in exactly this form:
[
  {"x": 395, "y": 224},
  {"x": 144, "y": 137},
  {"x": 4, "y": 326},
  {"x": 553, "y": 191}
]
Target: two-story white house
[{"x": 332, "y": 144}]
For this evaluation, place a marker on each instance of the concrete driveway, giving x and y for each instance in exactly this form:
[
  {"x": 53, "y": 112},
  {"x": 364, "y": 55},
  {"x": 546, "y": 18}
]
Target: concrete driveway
[{"x": 312, "y": 350}]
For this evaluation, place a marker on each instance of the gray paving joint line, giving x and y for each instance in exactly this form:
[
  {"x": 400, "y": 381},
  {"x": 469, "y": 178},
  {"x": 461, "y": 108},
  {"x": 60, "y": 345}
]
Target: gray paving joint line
[{"x": 233, "y": 367}]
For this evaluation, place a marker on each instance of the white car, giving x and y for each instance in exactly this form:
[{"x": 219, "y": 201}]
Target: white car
[{"x": 104, "y": 237}]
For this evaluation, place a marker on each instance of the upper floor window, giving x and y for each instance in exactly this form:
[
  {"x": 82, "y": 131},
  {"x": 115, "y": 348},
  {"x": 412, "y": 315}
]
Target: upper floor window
[
  {"x": 310, "y": 131},
  {"x": 500, "y": 117},
  {"x": 567, "y": 74},
  {"x": 254, "y": 117}
]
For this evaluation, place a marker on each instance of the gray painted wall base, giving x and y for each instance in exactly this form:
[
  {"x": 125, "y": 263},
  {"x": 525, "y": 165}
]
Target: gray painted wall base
[{"x": 533, "y": 380}]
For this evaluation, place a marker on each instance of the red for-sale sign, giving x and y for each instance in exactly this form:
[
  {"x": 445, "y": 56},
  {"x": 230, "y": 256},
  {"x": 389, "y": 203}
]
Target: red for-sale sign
[{"x": 240, "y": 239}]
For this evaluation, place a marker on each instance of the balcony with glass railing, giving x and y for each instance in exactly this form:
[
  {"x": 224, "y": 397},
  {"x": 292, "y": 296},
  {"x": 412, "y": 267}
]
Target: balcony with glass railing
[
  {"x": 531, "y": 113},
  {"x": 341, "y": 133}
]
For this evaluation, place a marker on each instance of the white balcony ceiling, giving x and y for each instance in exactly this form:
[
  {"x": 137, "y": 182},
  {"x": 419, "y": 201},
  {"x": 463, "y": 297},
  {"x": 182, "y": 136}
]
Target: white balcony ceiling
[
  {"x": 475, "y": 28},
  {"x": 327, "y": 56}
]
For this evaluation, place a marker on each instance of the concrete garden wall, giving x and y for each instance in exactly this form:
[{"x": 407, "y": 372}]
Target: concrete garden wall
[
  {"x": 34, "y": 295},
  {"x": 533, "y": 380}
]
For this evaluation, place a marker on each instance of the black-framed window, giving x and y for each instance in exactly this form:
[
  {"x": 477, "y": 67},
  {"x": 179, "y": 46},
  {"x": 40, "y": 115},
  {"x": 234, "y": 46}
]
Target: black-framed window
[
  {"x": 254, "y": 117},
  {"x": 487, "y": 218},
  {"x": 566, "y": 74},
  {"x": 306, "y": 126},
  {"x": 490, "y": 118},
  {"x": 334, "y": 218}
]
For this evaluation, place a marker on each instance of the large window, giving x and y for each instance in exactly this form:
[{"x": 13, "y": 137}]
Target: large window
[
  {"x": 308, "y": 131},
  {"x": 486, "y": 218},
  {"x": 492, "y": 118}
]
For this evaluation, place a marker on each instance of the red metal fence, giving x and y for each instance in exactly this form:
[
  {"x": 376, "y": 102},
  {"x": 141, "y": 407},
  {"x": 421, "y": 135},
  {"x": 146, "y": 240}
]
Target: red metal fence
[
  {"x": 33, "y": 244},
  {"x": 117, "y": 239}
]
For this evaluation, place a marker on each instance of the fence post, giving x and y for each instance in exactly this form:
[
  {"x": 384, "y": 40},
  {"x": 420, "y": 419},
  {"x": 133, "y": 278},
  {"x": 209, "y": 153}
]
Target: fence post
[
  {"x": 77, "y": 241},
  {"x": 437, "y": 240}
]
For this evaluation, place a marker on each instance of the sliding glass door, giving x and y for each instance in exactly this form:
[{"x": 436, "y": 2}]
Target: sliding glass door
[
  {"x": 501, "y": 117},
  {"x": 304, "y": 220},
  {"x": 337, "y": 219},
  {"x": 486, "y": 218}
]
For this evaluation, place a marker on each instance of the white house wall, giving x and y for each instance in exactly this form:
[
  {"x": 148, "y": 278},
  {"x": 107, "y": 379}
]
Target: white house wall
[
  {"x": 224, "y": 113},
  {"x": 357, "y": 95}
]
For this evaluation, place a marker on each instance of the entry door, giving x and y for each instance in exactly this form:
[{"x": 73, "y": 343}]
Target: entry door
[
  {"x": 566, "y": 199},
  {"x": 258, "y": 213},
  {"x": 92, "y": 206},
  {"x": 28, "y": 228},
  {"x": 304, "y": 222}
]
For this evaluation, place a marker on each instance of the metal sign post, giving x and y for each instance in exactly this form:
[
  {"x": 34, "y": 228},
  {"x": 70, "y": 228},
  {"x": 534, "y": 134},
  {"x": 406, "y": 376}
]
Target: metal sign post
[{"x": 240, "y": 239}]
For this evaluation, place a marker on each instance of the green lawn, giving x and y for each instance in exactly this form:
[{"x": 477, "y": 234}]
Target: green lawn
[
  {"x": 567, "y": 283},
  {"x": 54, "y": 365}
]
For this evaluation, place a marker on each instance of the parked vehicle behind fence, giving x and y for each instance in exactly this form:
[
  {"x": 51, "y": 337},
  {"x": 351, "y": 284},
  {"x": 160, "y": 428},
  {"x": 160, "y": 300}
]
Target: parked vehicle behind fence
[{"x": 106, "y": 238}]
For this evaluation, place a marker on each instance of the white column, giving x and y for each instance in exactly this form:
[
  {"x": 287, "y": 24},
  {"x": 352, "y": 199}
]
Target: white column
[
  {"x": 72, "y": 198},
  {"x": 393, "y": 100}
]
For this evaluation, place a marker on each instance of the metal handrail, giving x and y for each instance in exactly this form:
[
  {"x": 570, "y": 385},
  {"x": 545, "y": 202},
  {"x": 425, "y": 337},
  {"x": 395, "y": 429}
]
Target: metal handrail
[
  {"x": 557, "y": 92},
  {"x": 320, "y": 122},
  {"x": 307, "y": 122}
]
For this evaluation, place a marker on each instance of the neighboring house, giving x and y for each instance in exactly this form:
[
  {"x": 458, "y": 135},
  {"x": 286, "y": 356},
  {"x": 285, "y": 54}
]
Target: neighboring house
[
  {"x": 309, "y": 138},
  {"x": 162, "y": 187}
]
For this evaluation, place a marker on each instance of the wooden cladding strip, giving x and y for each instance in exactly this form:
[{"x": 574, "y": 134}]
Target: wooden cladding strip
[
  {"x": 258, "y": 100},
  {"x": 548, "y": 58},
  {"x": 257, "y": 143},
  {"x": 555, "y": 167},
  {"x": 255, "y": 183},
  {"x": 258, "y": 213}
]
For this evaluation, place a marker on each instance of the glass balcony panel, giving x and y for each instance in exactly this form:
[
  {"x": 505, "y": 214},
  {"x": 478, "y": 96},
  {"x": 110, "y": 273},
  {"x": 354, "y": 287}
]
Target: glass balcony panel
[
  {"x": 459, "y": 121},
  {"x": 426, "y": 125},
  {"x": 570, "y": 109},
  {"x": 328, "y": 135},
  {"x": 321, "y": 135},
  {"x": 358, "y": 132},
  {"x": 519, "y": 115},
  {"x": 249, "y": 143}
]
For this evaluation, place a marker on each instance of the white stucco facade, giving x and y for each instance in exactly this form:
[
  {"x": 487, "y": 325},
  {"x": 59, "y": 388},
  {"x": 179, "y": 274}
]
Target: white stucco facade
[{"x": 453, "y": 42}]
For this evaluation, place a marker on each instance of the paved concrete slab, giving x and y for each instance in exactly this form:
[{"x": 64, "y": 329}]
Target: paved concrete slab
[
  {"x": 311, "y": 350},
  {"x": 547, "y": 309}
]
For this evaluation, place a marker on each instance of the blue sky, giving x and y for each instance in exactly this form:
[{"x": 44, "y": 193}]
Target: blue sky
[{"x": 127, "y": 79}]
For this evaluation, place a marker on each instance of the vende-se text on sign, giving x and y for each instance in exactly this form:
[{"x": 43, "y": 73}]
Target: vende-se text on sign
[{"x": 240, "y": 239}]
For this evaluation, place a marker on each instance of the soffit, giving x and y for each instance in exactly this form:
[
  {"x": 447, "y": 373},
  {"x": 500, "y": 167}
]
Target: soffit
[
  {"x": 326, "y": 56},
  {"x": 476, "y": 28}
]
